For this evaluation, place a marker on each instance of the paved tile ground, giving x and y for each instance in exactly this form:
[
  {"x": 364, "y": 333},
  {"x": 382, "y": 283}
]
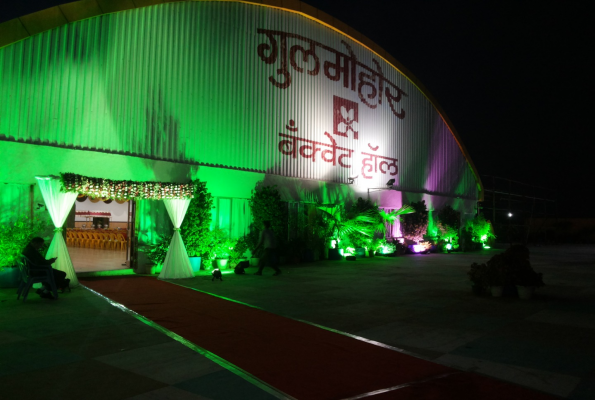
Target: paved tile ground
[{"x": 82, "y": 347}]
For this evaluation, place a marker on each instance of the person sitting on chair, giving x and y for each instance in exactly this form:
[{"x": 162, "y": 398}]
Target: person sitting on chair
[{"x": 31, "y": 251}]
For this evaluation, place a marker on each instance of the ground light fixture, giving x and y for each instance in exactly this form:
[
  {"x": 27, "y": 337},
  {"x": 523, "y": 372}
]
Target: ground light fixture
[
  {"x": 390, "y": 182},
  {"x": 509, "y": 214},
  {"x": 217, "y": 274},
  {"x": 418, "y": 248},
  {"x": 349, "y": 251}
]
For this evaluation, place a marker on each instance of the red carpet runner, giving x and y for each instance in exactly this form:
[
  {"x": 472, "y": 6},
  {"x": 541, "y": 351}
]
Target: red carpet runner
[{"x": 301, "y": 360}]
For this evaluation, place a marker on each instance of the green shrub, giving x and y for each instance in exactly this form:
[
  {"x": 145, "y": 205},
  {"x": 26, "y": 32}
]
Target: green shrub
[
  {"x": 195, "y": 229},
  {"x": 156, "y": 253},
  {"x": 478, "y": 276},
  {"x": 266, "y": 205},
  {"x": 479, "y": 229},
  {"x": 448, "y": 226},
  {"x": 238, "y": 248},
  {"x": 415, "y": 225},
  {"x": 218, "y": 244},
  {"x": 14, "y": 236}
]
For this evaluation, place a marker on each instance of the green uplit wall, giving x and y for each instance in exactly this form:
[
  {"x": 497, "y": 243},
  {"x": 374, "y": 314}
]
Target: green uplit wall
[{"x": 184, "y": 82}]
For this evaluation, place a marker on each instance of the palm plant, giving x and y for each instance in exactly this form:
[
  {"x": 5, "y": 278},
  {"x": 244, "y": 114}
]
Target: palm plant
[
  {"x": 339, "y": 227},
  {"x": 392, "y": 217},
  {"x": 364, "y": 223}
]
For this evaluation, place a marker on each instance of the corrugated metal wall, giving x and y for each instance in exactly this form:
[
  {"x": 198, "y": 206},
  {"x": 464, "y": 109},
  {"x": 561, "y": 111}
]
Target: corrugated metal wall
[{"x": 187, "y": 82}]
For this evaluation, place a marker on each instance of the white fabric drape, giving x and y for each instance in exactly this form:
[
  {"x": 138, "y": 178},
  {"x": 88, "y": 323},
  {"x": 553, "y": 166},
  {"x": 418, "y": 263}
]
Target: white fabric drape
[
  {"x": 176, "y": 264},
  {"x": 59, "y": 205}
]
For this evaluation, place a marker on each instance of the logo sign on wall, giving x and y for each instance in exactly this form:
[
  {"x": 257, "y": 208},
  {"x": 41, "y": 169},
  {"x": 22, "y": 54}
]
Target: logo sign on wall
[{"x": 372, "y": 87}]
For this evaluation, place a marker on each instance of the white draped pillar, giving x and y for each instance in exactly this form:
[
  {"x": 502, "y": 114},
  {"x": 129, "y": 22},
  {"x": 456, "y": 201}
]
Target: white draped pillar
[
  {"x": 59, "y": 205},
  {"x": 176, "y": 264}
]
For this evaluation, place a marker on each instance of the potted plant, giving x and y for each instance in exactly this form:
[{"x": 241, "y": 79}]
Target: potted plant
[
  {"x": 156, "y": 254},
  {"x": 237, "y": 251},
  {"x": 526, "y": 281},
  {"x": 508, "y": 269},
  {"x": 218, "y": 249},
  {"x": 195, "y": 228}
]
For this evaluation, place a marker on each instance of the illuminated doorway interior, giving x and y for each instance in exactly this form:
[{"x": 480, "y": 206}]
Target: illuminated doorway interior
[{"x": 98, "y": 234}]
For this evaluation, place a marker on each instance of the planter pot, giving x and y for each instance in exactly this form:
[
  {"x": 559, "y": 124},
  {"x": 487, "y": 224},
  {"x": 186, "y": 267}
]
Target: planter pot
[
  {"x": 497, "y": 291},
  {"x": 333, "y": 254},
  {"x": 525, "y": 292},
  {"x": 360, "y": 252},
  {"x": 10, "y": 277},
  {"x": 155, "y": 269},
  {"x": 221, "y": 263},
  {"x": 195, "y": 264}
]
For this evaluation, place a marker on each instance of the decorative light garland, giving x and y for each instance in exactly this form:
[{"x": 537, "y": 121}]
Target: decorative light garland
[{"x": 125, "y": 190}]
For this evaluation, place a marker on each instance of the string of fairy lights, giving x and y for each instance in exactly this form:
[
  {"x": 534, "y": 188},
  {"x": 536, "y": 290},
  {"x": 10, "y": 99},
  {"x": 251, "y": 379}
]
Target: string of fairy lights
[{"x": 124, "y": 190}]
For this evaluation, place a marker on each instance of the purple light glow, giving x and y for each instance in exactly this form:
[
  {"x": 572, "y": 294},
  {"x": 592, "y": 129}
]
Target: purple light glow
[{"x": 418, "y": 248}]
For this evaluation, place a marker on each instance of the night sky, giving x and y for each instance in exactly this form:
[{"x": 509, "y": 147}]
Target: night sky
[{"x": 515, "y": 78}]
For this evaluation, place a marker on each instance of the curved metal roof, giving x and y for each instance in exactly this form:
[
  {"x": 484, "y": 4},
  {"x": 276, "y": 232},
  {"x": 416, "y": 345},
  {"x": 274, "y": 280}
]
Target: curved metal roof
[{"x": 21, "y": 28}]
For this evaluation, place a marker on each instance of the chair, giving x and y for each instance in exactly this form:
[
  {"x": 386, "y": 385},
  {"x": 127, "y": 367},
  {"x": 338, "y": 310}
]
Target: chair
[
  {"x": 69, "y": 237},
  {"x": 107, "y": 241},
  {"x": 88, "y": 242},
  {"x": 43, "y": 274},
  {"x": 96, "y": 242},
  {"x": 79, "y": 239},
  {"x": 103, "y": 239},
  {"x": 115, "y": 242},
  {"x": 123, "y": 242}
]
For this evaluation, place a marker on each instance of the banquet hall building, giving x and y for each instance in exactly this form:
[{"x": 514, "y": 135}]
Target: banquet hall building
[{"x": 237, "y": 94}]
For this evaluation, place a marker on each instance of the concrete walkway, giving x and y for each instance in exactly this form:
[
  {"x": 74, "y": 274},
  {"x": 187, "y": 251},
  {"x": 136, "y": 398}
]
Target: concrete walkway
[{"x": 80, "y": 346}]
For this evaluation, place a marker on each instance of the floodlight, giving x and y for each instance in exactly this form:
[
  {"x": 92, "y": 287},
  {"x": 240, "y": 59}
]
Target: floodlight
[{"x": 390, "y": 182}]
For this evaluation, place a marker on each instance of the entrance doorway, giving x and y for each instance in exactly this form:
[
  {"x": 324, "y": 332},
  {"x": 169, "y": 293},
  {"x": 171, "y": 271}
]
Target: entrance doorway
[{"x": 98, "y": 234}]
